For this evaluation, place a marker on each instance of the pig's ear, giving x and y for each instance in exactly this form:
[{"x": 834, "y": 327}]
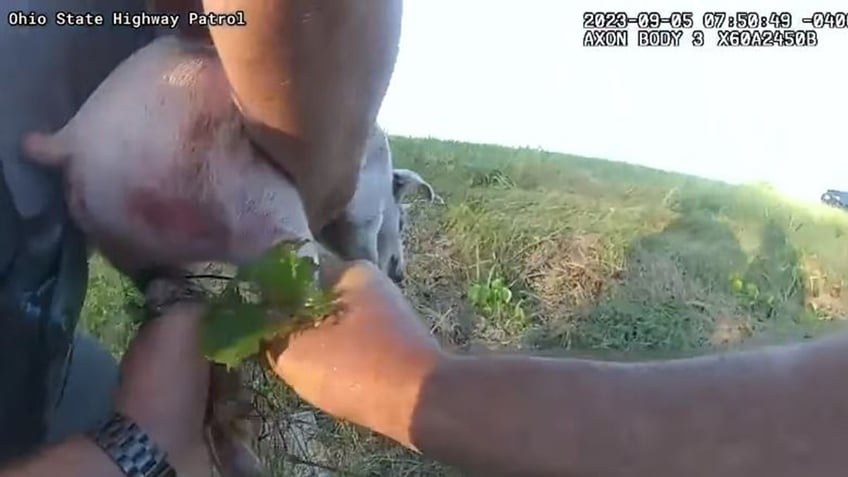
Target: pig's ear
[{"x": 45, "y": 149}]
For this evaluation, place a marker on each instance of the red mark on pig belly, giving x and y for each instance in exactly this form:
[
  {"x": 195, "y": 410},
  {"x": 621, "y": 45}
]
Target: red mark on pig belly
[{"x": 178, "y": 217}]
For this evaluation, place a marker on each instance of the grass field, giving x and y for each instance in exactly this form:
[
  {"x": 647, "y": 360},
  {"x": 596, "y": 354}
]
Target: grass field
[{"x": 555, "y": 254}]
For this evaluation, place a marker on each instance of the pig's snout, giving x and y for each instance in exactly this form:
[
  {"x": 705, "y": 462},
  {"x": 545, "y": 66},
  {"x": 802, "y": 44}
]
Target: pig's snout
[{"x": 45, "y": 149}]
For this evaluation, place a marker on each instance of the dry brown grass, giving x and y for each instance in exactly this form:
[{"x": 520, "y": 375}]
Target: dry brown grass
[{"x": 566, "y": 274}]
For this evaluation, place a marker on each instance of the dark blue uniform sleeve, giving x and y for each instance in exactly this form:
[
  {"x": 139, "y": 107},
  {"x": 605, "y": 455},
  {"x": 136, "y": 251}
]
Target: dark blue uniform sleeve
[{"x": 48, "y": 72}]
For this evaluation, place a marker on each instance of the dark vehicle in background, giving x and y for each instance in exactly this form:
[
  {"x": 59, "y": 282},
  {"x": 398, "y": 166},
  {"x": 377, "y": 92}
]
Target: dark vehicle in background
[{"x": 835, "y": 198}]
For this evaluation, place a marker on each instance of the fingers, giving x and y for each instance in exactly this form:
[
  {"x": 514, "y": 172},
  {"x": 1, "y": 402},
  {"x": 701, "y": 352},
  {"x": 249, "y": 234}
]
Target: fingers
[
  {"x": 167, "y": 350},
  {"x": 170, "y": 339},
  {"x": 165, "y": 379}
]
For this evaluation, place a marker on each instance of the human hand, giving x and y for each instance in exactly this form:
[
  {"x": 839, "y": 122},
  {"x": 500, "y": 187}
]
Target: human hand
[
  {"x": 366, "y": 363},
  {"x": 164, "y": 386}
]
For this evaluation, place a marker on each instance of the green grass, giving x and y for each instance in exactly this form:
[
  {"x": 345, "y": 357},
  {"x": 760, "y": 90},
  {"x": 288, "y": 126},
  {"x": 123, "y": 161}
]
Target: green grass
[{"x": 555, "y": 254}]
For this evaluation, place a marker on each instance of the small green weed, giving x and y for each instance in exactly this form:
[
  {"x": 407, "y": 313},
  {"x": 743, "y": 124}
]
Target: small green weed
[
  {"x": 494, "y": 298},
  {"x": 752, "y": 297}
]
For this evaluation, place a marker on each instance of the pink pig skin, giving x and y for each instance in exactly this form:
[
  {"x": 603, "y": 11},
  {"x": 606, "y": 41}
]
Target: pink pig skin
[{"x": 159, "y": 170}]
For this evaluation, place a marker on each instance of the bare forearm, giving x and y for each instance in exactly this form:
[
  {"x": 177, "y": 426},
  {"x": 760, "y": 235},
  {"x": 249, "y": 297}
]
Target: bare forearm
[
  {"x": 300, "y": 61},
  {"x": 310, "y": 77},
  {"x": 75, "y": 457},
  {"x": 769, "y": 412}
]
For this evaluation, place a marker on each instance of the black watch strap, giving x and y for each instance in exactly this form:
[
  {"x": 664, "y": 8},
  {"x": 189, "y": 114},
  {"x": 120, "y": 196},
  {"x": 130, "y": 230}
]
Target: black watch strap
[{"x": 131, "y": 449}]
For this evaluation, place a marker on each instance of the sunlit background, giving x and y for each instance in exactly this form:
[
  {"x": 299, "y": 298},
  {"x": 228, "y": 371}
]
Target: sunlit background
[{"x": 514, "y": 72}]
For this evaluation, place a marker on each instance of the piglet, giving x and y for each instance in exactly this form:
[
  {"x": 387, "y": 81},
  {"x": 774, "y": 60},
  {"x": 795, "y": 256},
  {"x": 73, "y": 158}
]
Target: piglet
[{"x": 160, "y": 172}]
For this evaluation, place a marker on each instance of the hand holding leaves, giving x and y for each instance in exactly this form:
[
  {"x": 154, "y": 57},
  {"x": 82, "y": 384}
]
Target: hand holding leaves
[{"x": 270, "y": 298}]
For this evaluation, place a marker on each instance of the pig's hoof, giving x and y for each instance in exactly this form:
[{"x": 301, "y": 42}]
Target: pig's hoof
[{"x": 45, "y": 149}]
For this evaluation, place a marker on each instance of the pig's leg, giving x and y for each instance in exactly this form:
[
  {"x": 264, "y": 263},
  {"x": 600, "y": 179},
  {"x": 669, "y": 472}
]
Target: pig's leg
[
  {"x": 351, "y": 240},
  {"x": 311, "y": 77},
  {"x": 232, "y": 424},
  {"x": 45, "y": 149}
]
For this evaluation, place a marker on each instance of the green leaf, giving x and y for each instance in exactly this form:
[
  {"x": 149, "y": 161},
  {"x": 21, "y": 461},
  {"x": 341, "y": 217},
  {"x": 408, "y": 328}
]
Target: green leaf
[
  {"x": 752, "y": 290},
  {"x": 232, "y": 334},
  {"x": 320, "y": 304},
  {"x": 737, "y": 284},
  {"x": 477, "y": 294},
  {"x": 284, "y": 279},
  {"x": 289, "y": 299}
]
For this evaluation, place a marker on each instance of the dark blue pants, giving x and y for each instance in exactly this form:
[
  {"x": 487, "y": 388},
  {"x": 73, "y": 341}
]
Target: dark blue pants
[
  {"x": 87, "y": 396},
  {"x": 46, "y": 73}
]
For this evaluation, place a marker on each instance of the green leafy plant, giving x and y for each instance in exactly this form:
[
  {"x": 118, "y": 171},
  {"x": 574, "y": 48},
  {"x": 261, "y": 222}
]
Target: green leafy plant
[
  {"x": 494, "y": 297},
  {"x": 751, "y": 295},
  {"x": 267, "y": 299},
  {"x": 494, "y": 178}
]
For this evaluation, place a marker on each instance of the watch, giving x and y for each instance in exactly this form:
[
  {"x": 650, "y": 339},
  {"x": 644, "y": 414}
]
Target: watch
[{"x": 131, "y": 449}]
